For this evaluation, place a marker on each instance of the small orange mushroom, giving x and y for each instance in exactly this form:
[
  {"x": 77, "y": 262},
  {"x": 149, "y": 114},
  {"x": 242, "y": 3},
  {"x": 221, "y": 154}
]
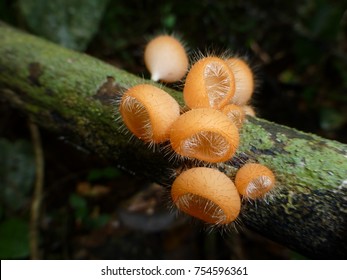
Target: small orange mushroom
[
  {"x": 206, "y": 194},
  {"x": 209, "y": 84},
  {"x": 204, "y": 134},
  {"x": 254, "y": 180},
  {"x": 149, "y": 112}
]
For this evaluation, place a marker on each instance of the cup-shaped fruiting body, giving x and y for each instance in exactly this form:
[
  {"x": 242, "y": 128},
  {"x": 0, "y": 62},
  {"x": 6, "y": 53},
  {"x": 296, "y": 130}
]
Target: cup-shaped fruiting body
[
  {"x": 254, "y": 180},
  {"x": 149, "y": 112},
  {"x": 204, "y": 134},
  {"x": 235, "y": 113},
  {"x": 166, "y": 59},
  {"x": 209, "y": 84},
  {"x": 244, "y": 80},
  {"x": 206, "y": 194}
]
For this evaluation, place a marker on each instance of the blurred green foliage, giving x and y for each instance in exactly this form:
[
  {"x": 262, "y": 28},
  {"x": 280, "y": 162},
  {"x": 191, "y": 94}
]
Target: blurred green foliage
[
  {"x": 71, "y": 23},
  {"x": 83, "y": 213},
  {"x": 102, "y": 174},
  {"x": 14, "y": 239},
  {"x": 17, "y": 172}
]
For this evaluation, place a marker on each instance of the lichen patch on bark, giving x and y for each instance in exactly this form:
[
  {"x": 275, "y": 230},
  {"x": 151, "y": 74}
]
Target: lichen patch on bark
[
  {"x": 109, "y": 91},
  {"x": 35, "y": 72}
]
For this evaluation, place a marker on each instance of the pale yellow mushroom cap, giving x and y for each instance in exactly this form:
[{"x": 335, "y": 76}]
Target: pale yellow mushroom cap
[{"x": 166, "y": 59}]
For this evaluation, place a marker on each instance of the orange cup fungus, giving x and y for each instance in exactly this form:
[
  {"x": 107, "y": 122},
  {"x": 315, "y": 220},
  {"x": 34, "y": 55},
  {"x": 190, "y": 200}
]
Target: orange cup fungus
[
  {"x": 205, "y": 134},
  {"x": 206, "y": 194},
  {"x": 244, "y": 80},
  {"x": 166, "y": 59},
  {"x": 149, "y": 112},
  {"x": 254, "y": 180},
  {"x": 235, "y": 113},
  {"x": 209, "y": 84}
]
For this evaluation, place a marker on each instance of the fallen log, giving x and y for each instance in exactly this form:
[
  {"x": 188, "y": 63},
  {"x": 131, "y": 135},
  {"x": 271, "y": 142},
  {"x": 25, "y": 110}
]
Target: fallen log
[{"x": 73, "y": 95}]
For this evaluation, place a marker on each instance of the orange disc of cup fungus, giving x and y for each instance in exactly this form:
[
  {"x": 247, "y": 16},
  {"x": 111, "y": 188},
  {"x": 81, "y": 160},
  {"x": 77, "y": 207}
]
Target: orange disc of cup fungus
[
  {"x": 235, "y": 113},
  {"x": 205, "y": 134},
  {"x": 206, "y": 194},
  {"x": 166, "y": 59},
  {"x": 253, "y": 180},
  {"x": 149, "y": 112},
  {"x": 209, "y": 84},
  {"x": 244, "y": 80}
]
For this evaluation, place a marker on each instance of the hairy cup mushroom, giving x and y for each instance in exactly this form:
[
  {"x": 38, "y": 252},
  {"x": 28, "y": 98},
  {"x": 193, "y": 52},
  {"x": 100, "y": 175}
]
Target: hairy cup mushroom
[
  {"x": 209, "y": 84},
  {"x": 254, "y": 180},
  {"x": 204, "y": 134},
  {"x": 206, "y": 194},
  {"x": 149, "y": 112}
]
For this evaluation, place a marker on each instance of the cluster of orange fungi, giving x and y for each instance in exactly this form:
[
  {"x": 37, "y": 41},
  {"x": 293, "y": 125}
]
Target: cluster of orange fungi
[{"x": 217, "y": 91}]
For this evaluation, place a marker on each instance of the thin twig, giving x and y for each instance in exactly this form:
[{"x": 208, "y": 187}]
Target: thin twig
[{"x": 37, "y": 195}]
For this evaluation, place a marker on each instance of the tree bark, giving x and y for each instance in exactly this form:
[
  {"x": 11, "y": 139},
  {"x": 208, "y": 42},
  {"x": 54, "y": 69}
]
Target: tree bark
[{"x": 74, "y": 95}]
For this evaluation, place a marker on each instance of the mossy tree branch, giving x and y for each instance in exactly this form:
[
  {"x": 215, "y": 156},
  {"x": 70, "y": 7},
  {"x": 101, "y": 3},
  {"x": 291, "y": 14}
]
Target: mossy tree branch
[{"x": 73, "y": 94}]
